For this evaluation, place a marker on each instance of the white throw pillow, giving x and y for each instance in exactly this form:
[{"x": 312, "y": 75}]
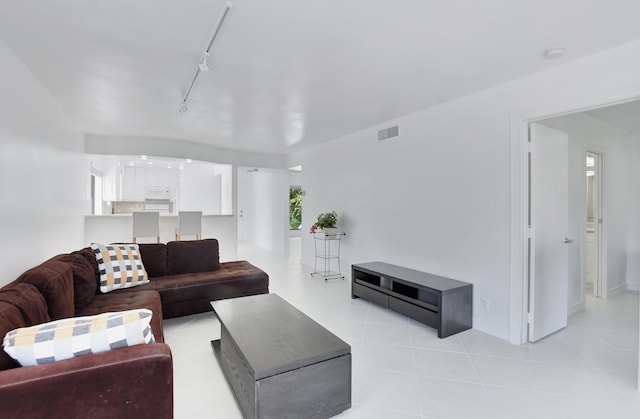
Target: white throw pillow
[
  {"x": 76, "y": 336},
  {"x": 120, "y": 266}
]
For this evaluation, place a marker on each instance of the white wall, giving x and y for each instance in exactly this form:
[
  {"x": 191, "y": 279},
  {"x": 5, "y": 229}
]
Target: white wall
[
  {"x": 225, "y": 171},
  {"x": 108, "y": 169},
  {"x": 263, "y": 200},
  {"x": 200, "y": 188},
  {"x": 633, "y": 214},
  {"x": 586, "y": 133},
  {"x": 44, "y": 175},
  {"x": 446, "y": 195}
]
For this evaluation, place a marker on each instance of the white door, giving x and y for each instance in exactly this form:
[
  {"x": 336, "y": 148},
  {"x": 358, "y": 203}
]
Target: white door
[
  {"x": 549, "y": 206},
  {"x": 243, "y": 202}
]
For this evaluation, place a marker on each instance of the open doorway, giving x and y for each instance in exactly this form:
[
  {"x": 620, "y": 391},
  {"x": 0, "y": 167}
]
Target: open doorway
[
  {"x": 295, "y": 208},
  {"x": 620, "y": 237},
  {"x": 601, "y": 225},
  {"x": 601, "y": 280},
  {"x": 296, "y": 197}
]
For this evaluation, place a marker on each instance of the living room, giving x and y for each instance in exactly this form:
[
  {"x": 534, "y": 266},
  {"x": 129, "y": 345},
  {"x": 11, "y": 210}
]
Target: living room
[{"x": 446, "y": 196}]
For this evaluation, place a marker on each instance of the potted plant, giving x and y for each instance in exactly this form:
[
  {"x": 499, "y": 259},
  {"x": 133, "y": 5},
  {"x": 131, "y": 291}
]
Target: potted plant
[{"x": 327, "y": 222}]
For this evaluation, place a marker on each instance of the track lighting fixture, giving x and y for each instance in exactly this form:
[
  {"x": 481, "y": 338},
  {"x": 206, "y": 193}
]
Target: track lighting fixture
[{"x": 203, "y": 64}]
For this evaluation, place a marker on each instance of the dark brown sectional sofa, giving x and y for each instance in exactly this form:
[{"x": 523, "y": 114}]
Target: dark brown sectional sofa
[{"x": 135, "y": 381}]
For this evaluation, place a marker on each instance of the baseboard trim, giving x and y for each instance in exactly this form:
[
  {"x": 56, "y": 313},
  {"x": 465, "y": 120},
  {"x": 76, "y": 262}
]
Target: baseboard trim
[
  {"x": 617, "y": 290},
  {"x": 491, "y": 329},
  {"x": 576, "y": 307}
]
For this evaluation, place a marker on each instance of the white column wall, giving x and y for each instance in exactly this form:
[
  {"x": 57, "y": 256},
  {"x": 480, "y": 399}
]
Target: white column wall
[
  {"x": 633, "y": 214},
  {"x": 226, "y": 184},
  {"x": 44, "y": 174},
  {"x": 200, "y": 188},
  {"x": 618, "y": 189},
  {"x": 266, "y": 211}
]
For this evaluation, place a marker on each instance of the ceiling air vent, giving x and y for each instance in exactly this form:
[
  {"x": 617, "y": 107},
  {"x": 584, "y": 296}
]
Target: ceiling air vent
[{"x": 387, "y": 133}]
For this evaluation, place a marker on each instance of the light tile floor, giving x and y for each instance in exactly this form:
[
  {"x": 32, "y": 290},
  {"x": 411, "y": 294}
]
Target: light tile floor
[{"x": 402, "y": 370}]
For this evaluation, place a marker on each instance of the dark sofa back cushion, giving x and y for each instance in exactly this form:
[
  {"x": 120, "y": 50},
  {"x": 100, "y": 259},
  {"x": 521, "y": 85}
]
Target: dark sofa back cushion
[
  {"x": 192, "y": 256},
  {"x": 85, "y": 282},
  {"x": 154, "y": 258},
  {"x": 21, "y": 305},
  {"x": 54, "y": 280},
  {"x": 88, "y": 255}
]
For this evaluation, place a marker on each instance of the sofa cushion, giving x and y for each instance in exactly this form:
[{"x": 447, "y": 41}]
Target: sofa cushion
[
  {"x": 88, "y": 254},
  {"x": 120, "y": 266},
  {"x": 68, "y": 338},
  {"x": 192, "y": 256},
  {"x": 20, "y": 305},
  {"x": 84, "y": 277},
  {"x": 191, "y": 293},
  {"x": 129, "y": 299},
  {"x": 154, "y": 257},
  {"x": 54, "y": 280}
]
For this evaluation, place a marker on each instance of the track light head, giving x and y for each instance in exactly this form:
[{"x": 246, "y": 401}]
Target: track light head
[{"x": 203, "y": 65}]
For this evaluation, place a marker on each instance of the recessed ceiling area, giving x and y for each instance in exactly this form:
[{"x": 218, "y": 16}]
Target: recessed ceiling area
[{"x": 288, "y": 74}]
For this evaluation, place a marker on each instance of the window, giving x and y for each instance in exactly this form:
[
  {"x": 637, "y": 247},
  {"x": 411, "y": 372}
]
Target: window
[{"x": 295, "y": 208}]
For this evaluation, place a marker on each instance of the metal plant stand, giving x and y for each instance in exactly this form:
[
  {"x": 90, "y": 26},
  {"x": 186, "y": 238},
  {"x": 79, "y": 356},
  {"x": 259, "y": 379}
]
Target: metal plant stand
[{"x": 327, "y": 248}]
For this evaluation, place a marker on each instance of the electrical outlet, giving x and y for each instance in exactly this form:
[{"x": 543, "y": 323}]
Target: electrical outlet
[{"x": 484, "y": 304}]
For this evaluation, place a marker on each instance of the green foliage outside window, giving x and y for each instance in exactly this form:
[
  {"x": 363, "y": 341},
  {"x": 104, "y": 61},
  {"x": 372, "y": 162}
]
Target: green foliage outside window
[{"x": 295, "y": 208}]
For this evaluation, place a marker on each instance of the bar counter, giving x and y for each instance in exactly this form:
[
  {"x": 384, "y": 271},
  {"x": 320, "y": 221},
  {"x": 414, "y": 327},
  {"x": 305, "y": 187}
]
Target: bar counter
[{"x": 114, "y": 228}]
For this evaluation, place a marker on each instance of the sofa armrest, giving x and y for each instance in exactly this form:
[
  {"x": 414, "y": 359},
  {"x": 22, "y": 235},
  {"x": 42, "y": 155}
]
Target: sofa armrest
[{"x": 124, "y": 383}]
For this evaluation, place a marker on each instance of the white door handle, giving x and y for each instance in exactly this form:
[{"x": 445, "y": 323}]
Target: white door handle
[{"x": 567, "y": 241}]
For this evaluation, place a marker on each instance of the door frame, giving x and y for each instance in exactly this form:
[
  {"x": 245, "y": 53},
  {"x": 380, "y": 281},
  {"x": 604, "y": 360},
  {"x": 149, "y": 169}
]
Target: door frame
[
  {"x": 601, "y": 244},
  {"x": 519, "y": 179}
]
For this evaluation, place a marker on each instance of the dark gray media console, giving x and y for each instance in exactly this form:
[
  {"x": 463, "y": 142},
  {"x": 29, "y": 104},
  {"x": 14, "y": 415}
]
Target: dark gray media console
[{"x": 443, "y": 303}]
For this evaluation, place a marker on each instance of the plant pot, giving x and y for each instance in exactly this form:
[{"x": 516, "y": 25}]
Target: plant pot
[{"x": 330, "y": 231}]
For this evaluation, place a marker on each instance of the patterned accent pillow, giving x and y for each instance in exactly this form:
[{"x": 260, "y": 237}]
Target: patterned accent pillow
[
  {"x": 120, "y": 266},
  {"x": 76, "y": 336}
]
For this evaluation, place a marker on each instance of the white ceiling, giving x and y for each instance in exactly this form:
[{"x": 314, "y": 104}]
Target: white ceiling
[
  {"x": 290, "y": 73},
  {"x": 624, "y": 116}
]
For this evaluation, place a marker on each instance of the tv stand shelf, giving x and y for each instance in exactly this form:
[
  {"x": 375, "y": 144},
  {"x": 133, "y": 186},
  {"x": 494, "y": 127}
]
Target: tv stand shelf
[{"x": 442, "y": 303}]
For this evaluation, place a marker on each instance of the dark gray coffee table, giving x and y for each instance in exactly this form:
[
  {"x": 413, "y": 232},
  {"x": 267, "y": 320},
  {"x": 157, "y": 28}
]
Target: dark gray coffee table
[{"x": 279, "y": 362}]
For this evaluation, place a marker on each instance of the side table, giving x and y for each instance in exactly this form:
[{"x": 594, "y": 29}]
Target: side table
[{"x": 327, "y": 247}]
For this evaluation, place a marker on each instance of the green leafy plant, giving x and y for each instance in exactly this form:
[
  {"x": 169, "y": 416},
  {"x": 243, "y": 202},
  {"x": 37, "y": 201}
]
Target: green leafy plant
[
  {"x": 327, "y": 220},
  {"x": 295, "y": 207}
]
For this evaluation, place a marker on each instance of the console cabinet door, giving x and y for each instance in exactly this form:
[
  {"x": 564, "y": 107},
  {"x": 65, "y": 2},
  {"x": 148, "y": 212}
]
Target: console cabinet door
[
  {"x": 371, "y": 295},
  {"x": 417, "y": 313}
]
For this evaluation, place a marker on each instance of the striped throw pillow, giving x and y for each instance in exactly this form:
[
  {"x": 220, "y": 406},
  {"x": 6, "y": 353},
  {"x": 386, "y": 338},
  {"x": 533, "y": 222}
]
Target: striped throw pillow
[
  {"x": 120, "y": 266},
  {"x": 76, "y": 336}
]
